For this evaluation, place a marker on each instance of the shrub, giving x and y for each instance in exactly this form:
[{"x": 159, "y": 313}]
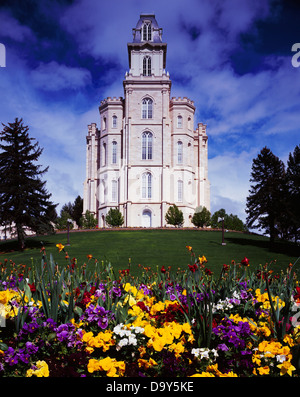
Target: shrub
[
  {"x": 114, "y": 218},
  {"x": 174, "y": 216}
]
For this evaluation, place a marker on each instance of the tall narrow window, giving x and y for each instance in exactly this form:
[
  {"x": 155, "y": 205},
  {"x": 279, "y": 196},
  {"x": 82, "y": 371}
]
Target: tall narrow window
[
  {"x": 147, "y": 31},
  {"x": 147, "y": 108},
  {"x": 114, "y": 191},
  {"x": 104, "y": 155},
  {"x": 114, "y": 121},
  {"x": 147, "y": 146},
  {"x": 179, "y": 122},
  {"x": 146, "y": 185},
  {"x": 114, "y": 152},
  {"x": 180, "y": 190},
  {"x": 146, "y": 66},
  {"x": 179, "y": 152}
]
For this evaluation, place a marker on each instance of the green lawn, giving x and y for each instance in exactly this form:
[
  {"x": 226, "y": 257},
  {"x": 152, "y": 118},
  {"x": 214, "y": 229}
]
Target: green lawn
[{"x": 153, "y": 248}]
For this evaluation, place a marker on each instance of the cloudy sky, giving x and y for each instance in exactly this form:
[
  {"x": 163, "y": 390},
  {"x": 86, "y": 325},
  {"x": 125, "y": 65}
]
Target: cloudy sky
[{"x": 232, "y": 57}]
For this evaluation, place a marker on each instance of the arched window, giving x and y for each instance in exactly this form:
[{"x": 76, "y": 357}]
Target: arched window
[
  {"x": 147, "y": 33},
  {"x": 147, "y": 66},
  {"x": 114, "y": 121},
  {"x": 147, "y": 145},
  {"x": 180, "y": 190},
  {"x": 114, "y": 152},
  {"x": 179, "y": 152},
  {"x": 146, "y": 185},
  {"x": 179, "y": 121},
  {"x": 147, "y": 108}
]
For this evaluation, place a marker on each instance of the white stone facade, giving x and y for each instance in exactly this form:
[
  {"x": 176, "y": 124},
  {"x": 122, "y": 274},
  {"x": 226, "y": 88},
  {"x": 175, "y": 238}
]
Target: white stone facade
[{"x": 146, "y": 155}]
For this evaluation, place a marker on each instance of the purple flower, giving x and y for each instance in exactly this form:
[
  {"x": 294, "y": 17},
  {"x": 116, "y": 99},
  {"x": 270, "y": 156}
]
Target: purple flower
[
  {"x": 11, "y": 357},
  {"x": 30, "y": 328},
  {"x": 31, "y": 348},
  {"x": 22, "y": 356},
  {"x": 222, "y": 347}
]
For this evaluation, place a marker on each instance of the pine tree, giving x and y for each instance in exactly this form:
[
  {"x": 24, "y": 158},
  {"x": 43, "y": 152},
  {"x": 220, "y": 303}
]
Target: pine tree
[
  {"x": 265, "y": 203},
  {"x": 24, "y": 201},
  {"x": 293, "y": 193}
]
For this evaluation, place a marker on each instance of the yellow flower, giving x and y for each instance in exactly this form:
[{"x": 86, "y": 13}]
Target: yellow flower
[
  {"x": 264, "y": 370},
  {"x": 177, "y": 348},
  {"x": 287, "y": 339},
  {"x": 286, "y": 368},
  {"x": 42, "y": 370},
  {"x": 93, "y": 365},
  {"x": 203, "y": 375},
  {"x": 146, "y": 364},
  {"x": 107, "y": 364},
  {"x": 60, "y": 247},
  {"x": 7, "y": 295}
]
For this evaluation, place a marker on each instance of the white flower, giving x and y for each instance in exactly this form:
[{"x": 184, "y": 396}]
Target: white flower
[{"x": 281, "y": 358}]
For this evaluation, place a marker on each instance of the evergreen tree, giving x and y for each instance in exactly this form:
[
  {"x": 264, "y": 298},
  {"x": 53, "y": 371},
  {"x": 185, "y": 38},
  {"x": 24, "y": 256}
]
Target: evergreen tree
[
  {"x": 77, "y": 210},
  {"x": 265, "y": 203},
  {"x": 174, "y": 216},
  {"x": 293, "y": 194},
  {"x": 24, "y": 200},
  {"x": 114, "y": 218}
]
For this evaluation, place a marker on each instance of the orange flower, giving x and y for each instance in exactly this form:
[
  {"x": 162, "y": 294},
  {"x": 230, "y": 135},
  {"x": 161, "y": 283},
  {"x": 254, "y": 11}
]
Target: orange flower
[{"x": 60, "y": 247}]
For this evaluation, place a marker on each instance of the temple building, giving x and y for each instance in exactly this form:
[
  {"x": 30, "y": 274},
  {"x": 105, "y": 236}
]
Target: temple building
[{"x": 145, "y": 154}]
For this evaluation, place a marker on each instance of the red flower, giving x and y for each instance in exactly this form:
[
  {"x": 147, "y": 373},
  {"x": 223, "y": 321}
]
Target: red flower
[
  {"x": 163, "y": 269},
  {"x": 32, "y": 287},
  {"x": 297, "y": 296},
  {"x": 245, "y": 262},
  {"x": 225, "y": 267},
  {"x": 208, "y": 271},
  {"x": 193, "y": 268}
]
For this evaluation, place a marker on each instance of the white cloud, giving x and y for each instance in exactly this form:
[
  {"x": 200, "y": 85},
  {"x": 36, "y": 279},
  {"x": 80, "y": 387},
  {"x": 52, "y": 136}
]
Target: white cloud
[
  {"x": 229, "y": 176},
  {"x": 12, "y": 29},
  {"x": 54, "y": 77}
]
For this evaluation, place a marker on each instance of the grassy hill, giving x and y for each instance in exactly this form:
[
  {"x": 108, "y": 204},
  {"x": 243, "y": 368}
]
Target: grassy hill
[{"x": 155, "y": 247}]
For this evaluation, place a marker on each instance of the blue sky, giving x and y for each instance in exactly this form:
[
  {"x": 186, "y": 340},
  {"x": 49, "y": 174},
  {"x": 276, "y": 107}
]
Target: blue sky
[{"x": 232, "y": 57}]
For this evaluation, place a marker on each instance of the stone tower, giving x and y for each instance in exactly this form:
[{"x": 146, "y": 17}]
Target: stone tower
[{"x": 146, "y": 154}]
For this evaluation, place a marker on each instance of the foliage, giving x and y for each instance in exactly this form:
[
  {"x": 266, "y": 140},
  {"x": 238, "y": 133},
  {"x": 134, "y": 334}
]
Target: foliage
[
  {"x": 114, "y": 218},
  {"x": 174, "y": 216},
  {"x": 24, "y": 200},
  {"x": 88, "y": 220},
  {"x": 231, "y": 222},
  {"x": 292, "y": 208},
  {"x": 201, "y": 218},
  {"x": 63, "y": 320},
  {"x": 272, "y": 204},
  {"x": 63, "y": 220}
]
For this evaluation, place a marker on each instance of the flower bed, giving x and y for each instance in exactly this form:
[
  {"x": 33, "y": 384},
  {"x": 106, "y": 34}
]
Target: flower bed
[{"x": 69, "y": 321}]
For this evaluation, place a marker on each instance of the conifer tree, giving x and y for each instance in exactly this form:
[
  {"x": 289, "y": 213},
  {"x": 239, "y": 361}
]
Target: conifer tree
[
  {"x": 265, "y": 202},
  {"x": 24, "y": 200},
  {"x": 293, "y": 194}
]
